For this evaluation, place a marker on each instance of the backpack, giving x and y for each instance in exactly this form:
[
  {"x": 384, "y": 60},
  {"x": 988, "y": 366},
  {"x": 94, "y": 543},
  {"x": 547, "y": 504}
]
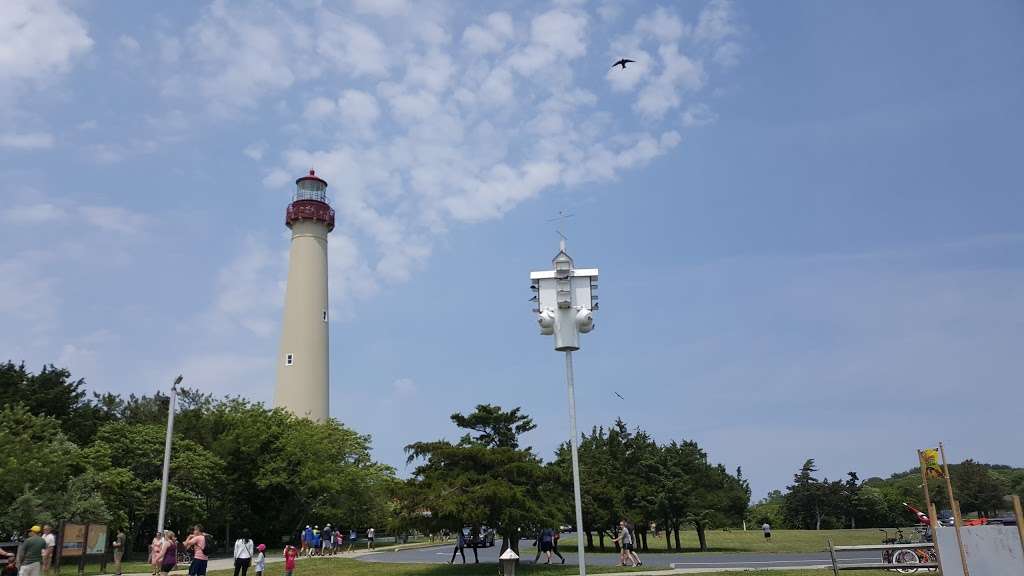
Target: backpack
[{"x": 208, "y": 544}]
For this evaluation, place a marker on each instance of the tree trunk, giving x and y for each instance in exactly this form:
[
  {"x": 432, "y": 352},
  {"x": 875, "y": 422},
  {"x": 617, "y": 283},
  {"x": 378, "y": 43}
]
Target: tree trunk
[
  {"x": 643, "y": 540},
  {"x": 590, "y": 540},
  {"x": 600, "y": 538},
  {"x": 701, "y": 536},
  {"x": 668, "y": 536},
  {"x": 679, "y": 546}
]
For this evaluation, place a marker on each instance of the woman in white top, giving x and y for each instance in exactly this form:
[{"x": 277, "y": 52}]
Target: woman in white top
[{"x": 244, "y": 550}]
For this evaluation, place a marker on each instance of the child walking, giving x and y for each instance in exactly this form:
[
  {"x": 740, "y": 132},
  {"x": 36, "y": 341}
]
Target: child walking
[
  {"x": 261, "y": 559},
  {"x": 290, "y": 552}
]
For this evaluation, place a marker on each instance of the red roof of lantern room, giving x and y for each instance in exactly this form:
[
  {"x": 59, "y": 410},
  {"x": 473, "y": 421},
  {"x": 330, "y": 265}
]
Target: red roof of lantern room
[{"x": 312, "y": 176}]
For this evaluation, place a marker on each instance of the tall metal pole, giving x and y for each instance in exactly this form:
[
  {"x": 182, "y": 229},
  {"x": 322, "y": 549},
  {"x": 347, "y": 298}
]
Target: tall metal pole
[
  {"x": 167, "y": 456},
  {"x": 580, "y": 545}
]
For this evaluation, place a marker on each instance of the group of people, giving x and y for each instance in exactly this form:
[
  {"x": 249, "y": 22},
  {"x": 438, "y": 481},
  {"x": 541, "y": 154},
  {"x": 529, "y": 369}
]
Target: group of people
[
  {"x": 37, "y": 551},
  {"x": 165, "y": 549},
  {"x": 547, "y": 544},
  {"x": 329, "y": 541},
  {"x": 35, "y": 554}
]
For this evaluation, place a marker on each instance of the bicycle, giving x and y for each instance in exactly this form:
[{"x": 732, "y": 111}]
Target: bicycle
[
  {"x": 183, "y": 557},
  {"x": 908, "y": 556}
]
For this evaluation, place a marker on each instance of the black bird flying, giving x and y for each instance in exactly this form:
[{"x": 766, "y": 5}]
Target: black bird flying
[{"x": 623, "y": 63}]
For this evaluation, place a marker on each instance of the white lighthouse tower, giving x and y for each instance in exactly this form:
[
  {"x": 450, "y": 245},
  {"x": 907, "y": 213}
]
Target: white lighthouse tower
[{"x": 303, "y": 364}]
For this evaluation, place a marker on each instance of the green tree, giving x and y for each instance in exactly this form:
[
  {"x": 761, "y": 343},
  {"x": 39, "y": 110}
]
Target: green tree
[
  {"x": 809, "y": 501},
  {"x": 483, "y": 480},
  {"x": 978, "y": 488}
]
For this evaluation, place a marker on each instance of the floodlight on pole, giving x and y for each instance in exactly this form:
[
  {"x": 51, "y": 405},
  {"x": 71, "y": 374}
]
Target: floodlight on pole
[
  {"x": 566, "y": 298},
  {"x": 167, "y": 456}
]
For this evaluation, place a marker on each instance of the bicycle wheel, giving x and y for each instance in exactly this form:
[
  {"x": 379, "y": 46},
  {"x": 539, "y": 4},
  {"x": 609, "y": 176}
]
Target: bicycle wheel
[{"x": 906, "y": 556}]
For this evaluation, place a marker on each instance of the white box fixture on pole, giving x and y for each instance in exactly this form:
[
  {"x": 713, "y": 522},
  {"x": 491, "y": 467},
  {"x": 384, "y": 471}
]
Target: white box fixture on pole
[{"x": 566, "y": 298}]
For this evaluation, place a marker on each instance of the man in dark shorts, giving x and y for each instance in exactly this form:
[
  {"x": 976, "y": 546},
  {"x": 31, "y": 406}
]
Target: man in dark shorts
[{"x": 767, "y": 529}]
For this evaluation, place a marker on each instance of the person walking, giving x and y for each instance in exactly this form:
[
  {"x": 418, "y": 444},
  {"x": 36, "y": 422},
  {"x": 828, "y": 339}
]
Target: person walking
[
  {"x": 625, "y": 542},
  {"x": 261, "y": 559},
  {"x": 118, "y": 544},
  {"x": 554, "y": 545},
  {"x": 767, "y": 529},
  {"x": 197, "y": 542},
  {"x": 154, "y": 553},
  {"x": 327, "y": 540},
  {"x": 290, "y": 553},
  {"x": 314, "y": 544},
  {"x": 352, "y": 536},
  {"x": 29, "y": 559},
  {"x": 51, "y": 545},
  {"x": 339, "y": 542},
  {"x": 168, "y": 553},
  {"x": 370, "y": 535},
  {"x": 545, "y": 542},
  {"x": 460, "y": 547},
  {"x": 244, "y": 550},
  {"x": 307, "y": 538}
]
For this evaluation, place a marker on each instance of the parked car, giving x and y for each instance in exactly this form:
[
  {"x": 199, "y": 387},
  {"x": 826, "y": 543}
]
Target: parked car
[{"x": 484, "y": 540}]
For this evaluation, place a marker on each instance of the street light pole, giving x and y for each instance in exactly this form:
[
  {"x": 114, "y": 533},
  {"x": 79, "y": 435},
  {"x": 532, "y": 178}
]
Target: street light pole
[
  {"x": 566, "y": 298},
  {"x": 570, "y": 381},
  {"x": 167, "y": 456}
]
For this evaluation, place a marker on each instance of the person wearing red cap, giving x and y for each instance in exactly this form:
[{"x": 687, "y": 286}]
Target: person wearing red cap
[{"x": 261, "y": 559}]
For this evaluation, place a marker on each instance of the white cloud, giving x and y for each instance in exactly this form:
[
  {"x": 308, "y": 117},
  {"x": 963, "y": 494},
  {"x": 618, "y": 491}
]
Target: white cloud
[
  {"x": 716, "y": 22},
  {"x": 319, "y": 108},
  {"x": 242, "y": 52},
  {"x": 609, "y": 10},
  {"x": 491, "y": 35},
  {"x": 29, "y": 299},
  {"x": 661, "y": 24},
  {"x": 39, "y": 39},
  {"x": 662, "y": 92},
  {"x": 250, "y": 290},
  {"x": 33, "y": 213},
  {"x": 128, "y": 45},
  {"x": 26, "y": 140},
  {"x": 359, "y": 111},
  {"x": 556, "y": 36},
  {"x": 114, "y": 218},
  {"x": 256, "y": 150},
  {"x": 404, "y": 387},
  {"x": 351, "y": 47},
  {"x": 381, "y": 7},
  {"x": 698, "y": 115}
]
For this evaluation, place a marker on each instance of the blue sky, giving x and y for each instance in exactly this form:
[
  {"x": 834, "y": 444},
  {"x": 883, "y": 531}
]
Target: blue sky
[{"x": 807, "y": 215}]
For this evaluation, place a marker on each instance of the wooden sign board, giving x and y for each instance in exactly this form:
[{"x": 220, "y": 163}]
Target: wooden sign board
[{"x": 72, "y": 540}]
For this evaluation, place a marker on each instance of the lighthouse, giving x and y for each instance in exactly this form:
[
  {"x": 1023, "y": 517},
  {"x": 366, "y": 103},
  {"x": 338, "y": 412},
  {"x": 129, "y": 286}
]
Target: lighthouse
[{"x": 303, "y": 364}]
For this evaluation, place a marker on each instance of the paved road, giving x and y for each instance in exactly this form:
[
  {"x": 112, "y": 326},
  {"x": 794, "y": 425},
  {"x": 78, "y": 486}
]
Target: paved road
[{"x": 441, "y": 554}]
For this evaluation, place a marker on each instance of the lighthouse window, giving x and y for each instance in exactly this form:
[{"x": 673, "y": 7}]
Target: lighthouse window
[
  {"x": 289, "y": 360},
  {"x": 325, "y": 315}
]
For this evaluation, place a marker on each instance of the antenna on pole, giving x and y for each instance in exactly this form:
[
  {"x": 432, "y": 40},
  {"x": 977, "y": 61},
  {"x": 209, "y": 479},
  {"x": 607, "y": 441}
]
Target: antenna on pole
[{"x": 561, "y": 218}]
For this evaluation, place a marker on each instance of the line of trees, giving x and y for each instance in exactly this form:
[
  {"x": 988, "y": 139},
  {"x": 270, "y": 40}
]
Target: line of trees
[
  {"x": 812, "y": 504},
  {"x": 68, "y": 457},
  {"x": 487, "y": 479}
]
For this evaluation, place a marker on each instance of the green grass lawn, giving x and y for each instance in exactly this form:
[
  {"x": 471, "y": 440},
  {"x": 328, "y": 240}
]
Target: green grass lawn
[
  {"x": 348, "y": 567},
  {"x": 70, "y": 568},
  {"x": 351, "y": 567},
  {"x": 752, "y": 540}
]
